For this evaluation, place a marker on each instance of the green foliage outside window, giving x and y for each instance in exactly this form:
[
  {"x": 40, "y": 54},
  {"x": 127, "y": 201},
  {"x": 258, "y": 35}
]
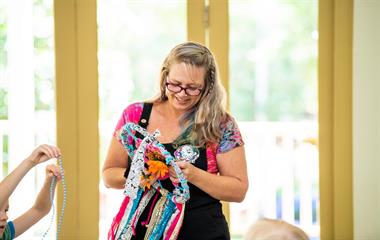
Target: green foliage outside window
[
  {"x": 273, "y": 60},
  {"x": 43, "y": 49},
  {"x": 3, "y": 105},
  {"x": 3, "y": 62},
  {"x": 3, "y": 38}
]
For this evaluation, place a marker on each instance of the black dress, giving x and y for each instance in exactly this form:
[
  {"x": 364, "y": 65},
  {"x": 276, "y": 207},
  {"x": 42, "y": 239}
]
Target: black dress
[{"x": 203, "y": 217}]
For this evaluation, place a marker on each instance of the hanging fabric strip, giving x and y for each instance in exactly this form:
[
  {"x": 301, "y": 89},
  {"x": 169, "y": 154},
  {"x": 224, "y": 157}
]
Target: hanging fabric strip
[{"x": 117, "y": 219}]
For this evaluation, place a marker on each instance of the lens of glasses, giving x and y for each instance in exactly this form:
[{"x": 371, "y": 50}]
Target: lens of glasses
[
  {"x": 177, "y": 88},
  {"x": 174, "y": 88},
  {"x": 192, "y": 91}
]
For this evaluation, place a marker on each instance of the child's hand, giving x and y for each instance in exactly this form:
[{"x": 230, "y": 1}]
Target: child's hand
[
  {"x": 43, "y": 153},
  {"x": 53, "y": 170}
]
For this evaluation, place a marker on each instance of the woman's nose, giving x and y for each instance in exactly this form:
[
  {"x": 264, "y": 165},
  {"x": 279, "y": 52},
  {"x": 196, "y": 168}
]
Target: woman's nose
[{"x": 182, "y": 93}]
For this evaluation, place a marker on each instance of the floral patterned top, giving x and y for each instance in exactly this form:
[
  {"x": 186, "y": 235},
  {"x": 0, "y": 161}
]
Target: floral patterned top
[{"x": 231, "y": 137}]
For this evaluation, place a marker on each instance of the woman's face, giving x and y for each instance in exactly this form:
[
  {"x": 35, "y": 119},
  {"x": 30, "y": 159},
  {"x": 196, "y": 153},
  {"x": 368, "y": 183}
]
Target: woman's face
[
  {"x": 183, "y": 76},
  {"x": 3, "y": 217}
]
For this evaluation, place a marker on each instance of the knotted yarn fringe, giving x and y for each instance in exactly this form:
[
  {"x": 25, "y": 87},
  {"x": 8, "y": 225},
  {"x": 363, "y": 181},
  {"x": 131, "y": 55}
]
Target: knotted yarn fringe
[{"x": 117, "y": 219}]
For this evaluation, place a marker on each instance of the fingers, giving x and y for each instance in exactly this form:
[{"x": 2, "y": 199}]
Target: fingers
[
  {"x": 172, "y": 171},
  {"x": 173, "y": 175},
  {"x": 183, "y": 164},
  {"x": 188, "y": 170},
  {"x": 44, "y": 152},
  {"x": 49, "y": 150},
  {"x": 53, "y": 170},
  {"x": 55, "y": 150},
  {"x": 45, "y": 149}
]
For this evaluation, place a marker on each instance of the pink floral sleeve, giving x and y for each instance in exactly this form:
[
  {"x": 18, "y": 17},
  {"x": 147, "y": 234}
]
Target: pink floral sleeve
[{"x": 130, "y": 114}]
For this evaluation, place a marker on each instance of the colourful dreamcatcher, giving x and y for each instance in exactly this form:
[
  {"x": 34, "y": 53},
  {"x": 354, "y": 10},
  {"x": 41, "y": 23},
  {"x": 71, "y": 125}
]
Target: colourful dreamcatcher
[{"x": 150, "y": 164}]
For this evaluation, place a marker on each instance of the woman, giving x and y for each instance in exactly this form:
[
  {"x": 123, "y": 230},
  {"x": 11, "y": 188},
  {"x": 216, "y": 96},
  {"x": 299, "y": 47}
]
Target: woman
[{"x": 189, "y": 110}]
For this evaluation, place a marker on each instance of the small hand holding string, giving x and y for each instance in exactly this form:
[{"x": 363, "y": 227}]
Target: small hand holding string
[{"x": 57, "y": 176}]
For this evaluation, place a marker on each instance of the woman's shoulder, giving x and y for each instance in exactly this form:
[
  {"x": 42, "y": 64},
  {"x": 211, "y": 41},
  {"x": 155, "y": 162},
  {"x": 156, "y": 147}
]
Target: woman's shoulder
[
  {"x": 132, "y": 112},
  {"x": 230, "y": 135},
  {"x": 135, "y": 106},
  {"x": 228, "y": 122}
]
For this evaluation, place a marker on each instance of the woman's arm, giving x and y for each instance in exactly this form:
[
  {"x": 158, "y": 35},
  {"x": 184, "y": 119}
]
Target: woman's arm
[
  {"x": 40, "y": 154},
  {"x": 115, "y": 165},
  {"x": 232, "y": 182},
  {"x": 42, "y": 204}
]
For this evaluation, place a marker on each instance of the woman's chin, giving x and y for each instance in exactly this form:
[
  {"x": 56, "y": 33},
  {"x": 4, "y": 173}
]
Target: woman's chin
[{"x": 181, "y": 105}]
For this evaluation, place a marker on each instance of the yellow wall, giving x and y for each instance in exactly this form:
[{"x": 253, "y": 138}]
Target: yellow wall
[
  {"x": 335, "y": 118},
  {"x": 77, "y": 114}
]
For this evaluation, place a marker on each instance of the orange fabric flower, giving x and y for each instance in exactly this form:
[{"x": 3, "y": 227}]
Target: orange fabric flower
[
  {"x": 158, "y": 169},
  {"x": 147, "y": 181}
]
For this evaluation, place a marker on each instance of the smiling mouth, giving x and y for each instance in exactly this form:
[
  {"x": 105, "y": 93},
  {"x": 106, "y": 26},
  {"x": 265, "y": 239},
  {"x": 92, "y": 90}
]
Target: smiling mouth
[{"x": 182, "y": 100}]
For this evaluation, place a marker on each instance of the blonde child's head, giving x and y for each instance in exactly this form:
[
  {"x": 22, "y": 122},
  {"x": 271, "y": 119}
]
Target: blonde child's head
[{"x": 270, "y": 229}]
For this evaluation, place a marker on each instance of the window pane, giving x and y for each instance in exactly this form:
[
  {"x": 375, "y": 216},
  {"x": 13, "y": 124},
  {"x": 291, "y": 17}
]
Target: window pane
[
  {"x": 273, "y": 65},
  {"x": 27, "y": 107},
  {"x": 273, "y": 92},
  {"x": 132, "y": 46}
]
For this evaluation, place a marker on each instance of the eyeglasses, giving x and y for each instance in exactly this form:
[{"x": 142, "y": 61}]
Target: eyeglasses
[{"x": 176, "y": 88}]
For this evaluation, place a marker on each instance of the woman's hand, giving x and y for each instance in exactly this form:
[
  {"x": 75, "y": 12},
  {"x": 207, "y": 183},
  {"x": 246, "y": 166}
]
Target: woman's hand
[
  {"x": 188, "y": 170},
  {"x": 173, "y": 176},
  {"x": 43, "y": 153}
]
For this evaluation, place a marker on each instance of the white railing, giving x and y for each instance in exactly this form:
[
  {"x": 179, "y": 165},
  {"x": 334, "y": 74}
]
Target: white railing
[{"x": 282, "y": 160}]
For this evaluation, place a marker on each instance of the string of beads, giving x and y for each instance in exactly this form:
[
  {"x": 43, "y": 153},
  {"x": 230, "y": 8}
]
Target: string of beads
[{"x": 62, "y": 213}]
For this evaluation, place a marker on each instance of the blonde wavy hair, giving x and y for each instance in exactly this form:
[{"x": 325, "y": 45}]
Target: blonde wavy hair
[
  {"x": 201, "y": 124},
  {"x": 273, "y": 229}
]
